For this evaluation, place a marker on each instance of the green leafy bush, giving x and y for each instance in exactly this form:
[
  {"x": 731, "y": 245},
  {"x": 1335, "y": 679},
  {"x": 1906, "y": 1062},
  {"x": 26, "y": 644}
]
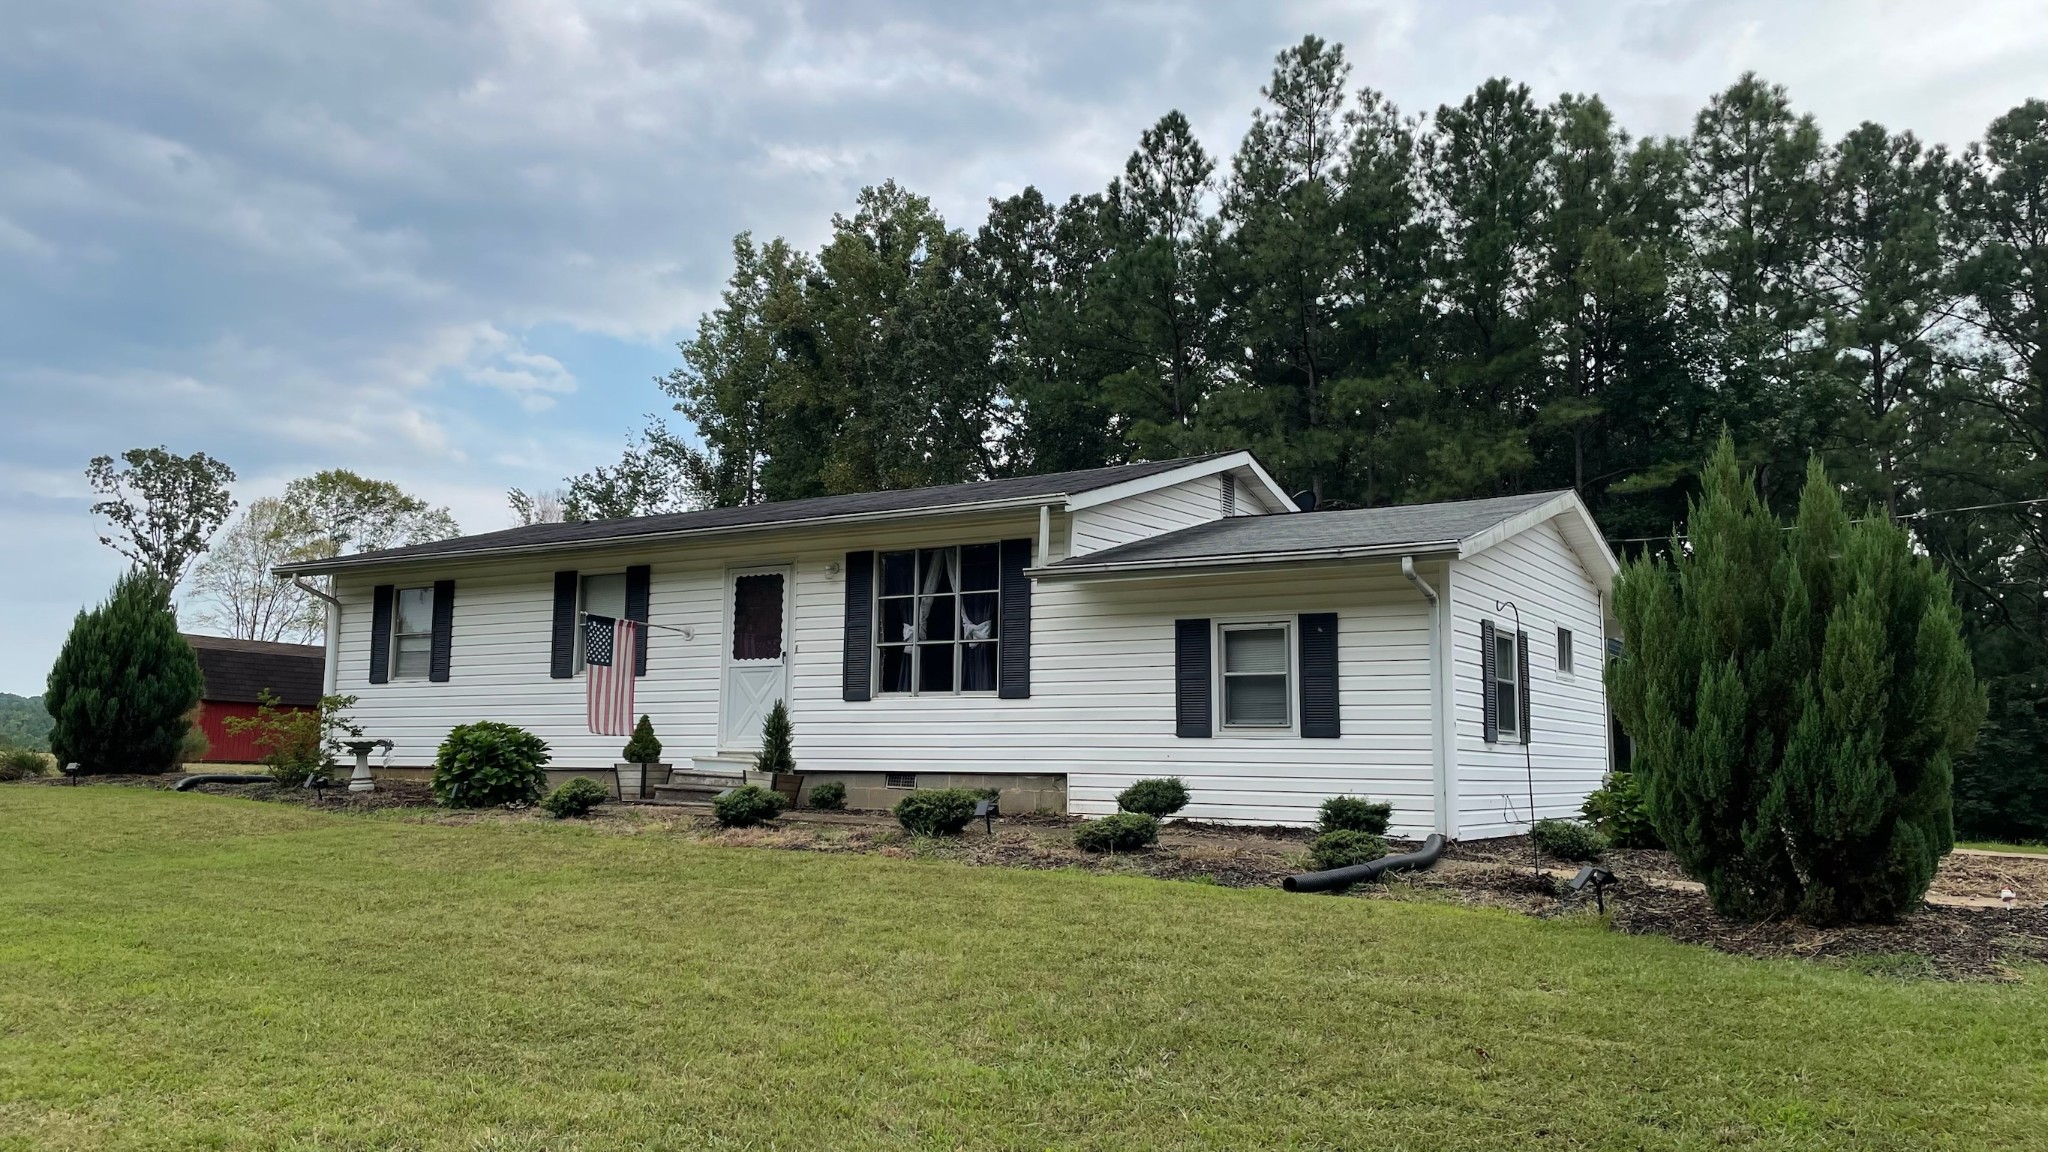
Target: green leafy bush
[
  {"x": 746, "y": 806},
  {"x": 574, "y": 798},
  {"x": 1343, "y": 847},
  {"x": 937, "y": 811},
  {"x": 297, "y": 743},
  {"x": 487, "y": 764},
  {"x": 1154, "y": 797},
  {"x": 194, "y": 746},
  {"x": 1355, "y": 814},
  {"x": 643, "y": 748},
  {"x": 22, "y": 763},
  {"x": 829, "y": 796},
  {"x": 1568, "y": 839},
  {"x": 1123, "y": 832},
  {"x": 123, "y": 687},
  {"x": 1616, "y": 809}
]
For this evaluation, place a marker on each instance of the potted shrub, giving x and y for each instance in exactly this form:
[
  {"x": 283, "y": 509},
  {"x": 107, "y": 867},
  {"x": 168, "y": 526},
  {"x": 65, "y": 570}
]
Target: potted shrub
[
  {"x": 776, "y": 762},
  {"x": 640, "y": 758}
]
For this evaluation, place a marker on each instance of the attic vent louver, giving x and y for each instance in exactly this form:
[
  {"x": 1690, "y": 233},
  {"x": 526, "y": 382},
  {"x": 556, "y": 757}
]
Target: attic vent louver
[{"x": 1229, "y": 495}]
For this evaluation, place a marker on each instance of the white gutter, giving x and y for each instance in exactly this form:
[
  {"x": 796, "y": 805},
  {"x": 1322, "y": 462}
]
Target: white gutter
[
  {"x": 330, "y": 673},
  {"x": 319, "y": 567},
  {"x": 1045, "y": 533},
  {"x": 1439, "y": 697},
  {"x": 1237, "y": 560}
]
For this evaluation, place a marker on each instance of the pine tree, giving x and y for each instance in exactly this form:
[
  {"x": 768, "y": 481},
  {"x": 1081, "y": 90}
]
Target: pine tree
[
  {"x": 1797, "y": 698},
  {"x": 643, "y": 748},
  {"x": 775, "y": 754},
  {"x": 124, "y": 684}
]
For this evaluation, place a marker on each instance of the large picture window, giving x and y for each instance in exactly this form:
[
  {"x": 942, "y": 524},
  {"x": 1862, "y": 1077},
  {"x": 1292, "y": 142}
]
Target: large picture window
[
  {"x": 412, "y": 634},
  {"x": 1257, "y": 659},
  {"x": 937, "y": 613}
]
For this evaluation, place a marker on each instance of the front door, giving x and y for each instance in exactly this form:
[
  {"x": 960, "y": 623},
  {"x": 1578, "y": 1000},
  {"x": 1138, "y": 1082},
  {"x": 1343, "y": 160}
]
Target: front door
[{"x": 756, "y": 656}]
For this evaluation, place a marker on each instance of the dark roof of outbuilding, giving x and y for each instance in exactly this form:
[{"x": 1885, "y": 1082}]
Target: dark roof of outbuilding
[
  {"x": 236, "y": 671},
  {"x": 547, "y": 537},
  {"x": 1417, "y": 526}
]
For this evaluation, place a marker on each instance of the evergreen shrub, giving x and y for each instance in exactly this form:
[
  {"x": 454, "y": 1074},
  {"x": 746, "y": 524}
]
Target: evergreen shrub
[
  {"x": 746, "y": 806},
  {"x": 829, "y": 796},
  {"x": 937, "y": 811},
  {"x": 1122, "y": 832},
  {"x": 124, "y": 685},
  {"x": 1154, "y": 797},
  {"x": 1568, "y": 840},
  {"x": 574, "y": 798},
  {"x": 1343, "y": 847},
  {"x": 1355, "y": 814}
]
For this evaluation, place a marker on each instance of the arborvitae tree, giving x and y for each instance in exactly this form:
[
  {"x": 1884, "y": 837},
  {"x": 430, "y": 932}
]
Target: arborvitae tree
[
  {"x": 124, "y": 684},
  {"x": 1797, "y": 698},
  {"x": 775, "y": 754},
  {"x": 643, "y": 748}
]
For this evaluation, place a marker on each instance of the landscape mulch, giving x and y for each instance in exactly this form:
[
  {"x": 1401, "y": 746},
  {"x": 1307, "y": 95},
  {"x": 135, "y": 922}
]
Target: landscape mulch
[{"x": 1650, "y": 896}]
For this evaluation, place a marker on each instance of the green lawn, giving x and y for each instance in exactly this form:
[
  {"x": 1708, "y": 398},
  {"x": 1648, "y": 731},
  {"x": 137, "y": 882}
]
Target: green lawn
[
  {"x": 1997, "y": 846},
  {"x": 181, "y": 971}
]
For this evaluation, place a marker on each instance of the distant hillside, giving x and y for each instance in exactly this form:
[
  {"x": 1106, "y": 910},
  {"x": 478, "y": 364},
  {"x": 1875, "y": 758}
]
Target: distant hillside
[{"x": 23, "y": 723}]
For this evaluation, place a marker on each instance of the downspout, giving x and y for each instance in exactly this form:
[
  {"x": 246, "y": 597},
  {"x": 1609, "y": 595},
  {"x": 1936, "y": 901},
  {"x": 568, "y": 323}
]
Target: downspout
[
  {"x": 330, "y": 672},
  {"x": 1044, "y": 534},
  {"x": 1439, "y": 704}
]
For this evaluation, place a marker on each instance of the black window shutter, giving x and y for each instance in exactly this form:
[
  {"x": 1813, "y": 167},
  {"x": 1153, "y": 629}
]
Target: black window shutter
[
  {"x": 1487, "y": 690},
  {"x": 380, "y": 633},
  {"x": 444, "y": 630},
  {"x": 562, "y": 645},
  {"x": 637, "y": 580},
  {"x": 856, "y": 662},
  {"x": 1318, "y": 658},
  {"x": 1013, "y": 650},
  {"x": 1191, "y": 679},
  {"x": 1522, "y": 681}
]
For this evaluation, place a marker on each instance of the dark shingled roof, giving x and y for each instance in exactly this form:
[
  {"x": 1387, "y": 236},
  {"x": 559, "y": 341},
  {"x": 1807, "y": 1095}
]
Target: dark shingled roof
[
  {"x": 1404, "y": 526},
  {"x": 237, "y": 670},
  {"x": 583, "y": 533}
]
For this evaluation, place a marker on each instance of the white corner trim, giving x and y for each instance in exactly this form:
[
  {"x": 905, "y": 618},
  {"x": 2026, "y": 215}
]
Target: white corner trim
[
  {"x": 1576, "y": 524},
  {"x": 1239, "y": 462}
]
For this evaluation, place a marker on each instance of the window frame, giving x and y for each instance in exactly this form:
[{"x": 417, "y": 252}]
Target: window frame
[
  {"x": 576, "y": 664},
  {"x": 1290, "y": 675},
  {"x": 399, "y": 635},
  {"x": 878, "y": 646},
  {"x": 1566, "y": 654},
  {"x": 1507, "y": 722}
]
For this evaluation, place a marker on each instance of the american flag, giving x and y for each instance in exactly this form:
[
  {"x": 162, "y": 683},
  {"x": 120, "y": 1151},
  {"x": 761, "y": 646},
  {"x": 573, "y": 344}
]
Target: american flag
[{"x": 608, "y": 647}]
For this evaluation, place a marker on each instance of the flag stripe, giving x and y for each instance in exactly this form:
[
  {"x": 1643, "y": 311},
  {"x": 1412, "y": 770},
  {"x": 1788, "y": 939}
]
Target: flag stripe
[{"x": 608, "y": 674}]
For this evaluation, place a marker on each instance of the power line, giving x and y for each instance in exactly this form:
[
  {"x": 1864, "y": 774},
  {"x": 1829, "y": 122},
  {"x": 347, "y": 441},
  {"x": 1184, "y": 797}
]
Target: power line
[{"x": 1923, "y": 513}]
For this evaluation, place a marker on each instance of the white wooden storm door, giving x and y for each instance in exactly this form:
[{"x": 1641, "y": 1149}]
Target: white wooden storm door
[{"x": 756, "y": 653}]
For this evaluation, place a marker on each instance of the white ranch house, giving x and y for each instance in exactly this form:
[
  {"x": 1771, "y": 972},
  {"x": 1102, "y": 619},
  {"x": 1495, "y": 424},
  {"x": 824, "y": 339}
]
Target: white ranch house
[{"x": 1056, "y": 636}]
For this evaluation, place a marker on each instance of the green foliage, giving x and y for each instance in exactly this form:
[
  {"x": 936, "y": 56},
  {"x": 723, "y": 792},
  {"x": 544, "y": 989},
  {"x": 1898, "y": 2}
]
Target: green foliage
[
  {"x": 194, "y": 746},
  {"x": 643, "y": 748},
  {"x": 1154, "y": 797},
  {"x": 1797, "y": 699},
  {"x": 575, "y": 797},
  {"x": 1121, "y": 832},
  {"x": 297, "y": 743},
  {"x": 937, "y": 811},
  {"x": 487, "y": 764},
  {"x": 1568, "y": 839},
  {"x": 124, "y": 684},
  {"x": 336, "y": 512},
  {"x": 161, "y": 508},
  {"x": 1616, "y": 809},
  {"x": 746, "y": 806},
  {"x": 1343, "y": 847},
  {"x": 2002, "y": 783},
  {"x": 24, "y": 722},
  {"x": 828, "y": 796},
  {"x": 1355, "y": 814},
  {"x": 23, "y": 763},
  {"x": 775, "y": 754}
]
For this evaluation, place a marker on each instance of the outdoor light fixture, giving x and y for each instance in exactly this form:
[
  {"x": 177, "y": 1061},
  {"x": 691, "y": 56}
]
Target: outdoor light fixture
[
  {"x": 1599, "y": 878},
  {"x": 986, "y": 811},
  {"x": 73, "y": 770}
]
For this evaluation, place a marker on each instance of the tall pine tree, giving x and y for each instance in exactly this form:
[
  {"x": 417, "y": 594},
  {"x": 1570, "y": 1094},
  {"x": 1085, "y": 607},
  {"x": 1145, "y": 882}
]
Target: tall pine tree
[{"x": 122, "y": 690}]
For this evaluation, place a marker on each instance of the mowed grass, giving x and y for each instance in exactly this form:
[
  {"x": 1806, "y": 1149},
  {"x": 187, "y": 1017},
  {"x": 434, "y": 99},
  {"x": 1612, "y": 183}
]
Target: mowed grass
[
  {"x": 2000, "y": 846},
  {"x": 181, "y": 971}
]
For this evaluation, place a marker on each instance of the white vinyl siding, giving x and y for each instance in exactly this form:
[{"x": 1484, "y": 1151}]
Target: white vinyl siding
[
  {"x": 1567, "y": 749},
  {"x": 1182, "y": 505}
]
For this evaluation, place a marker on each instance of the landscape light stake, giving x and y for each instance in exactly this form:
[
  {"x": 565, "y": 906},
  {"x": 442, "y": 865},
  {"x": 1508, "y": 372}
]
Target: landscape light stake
[
  {"x": 73, "y": 770},
  {"x": 1528, "y": 761}
]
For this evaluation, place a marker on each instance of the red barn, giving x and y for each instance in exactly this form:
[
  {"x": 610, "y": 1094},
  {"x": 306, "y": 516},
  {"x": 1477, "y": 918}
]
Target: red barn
[{"x": 236, "y": 671}]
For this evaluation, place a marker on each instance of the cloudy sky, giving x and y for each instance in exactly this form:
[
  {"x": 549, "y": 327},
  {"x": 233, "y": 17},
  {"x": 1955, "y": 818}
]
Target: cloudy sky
[{"x": 449, "y": 242}]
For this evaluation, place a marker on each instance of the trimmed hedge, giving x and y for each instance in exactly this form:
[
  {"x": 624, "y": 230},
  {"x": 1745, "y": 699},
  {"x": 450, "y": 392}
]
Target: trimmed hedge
[
  {"x": 937, "y": 811},
  {"x": 1123, "y": 832},
  {"x": 1154, "y": 797},
  {"x": 574, "y": 798},
  {"x": 1568, "y": 839},
  {"x": 1355, "y": 814},
  {"x": 747, "y": 806},
  {"x": 488, "y": 764},
  {"x": 1343, "y": 847}
]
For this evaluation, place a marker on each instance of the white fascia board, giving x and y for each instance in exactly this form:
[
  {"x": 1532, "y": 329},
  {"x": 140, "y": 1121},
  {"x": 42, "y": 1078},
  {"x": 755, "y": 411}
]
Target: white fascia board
[
  {"x": 614, "y": 543},
  {"x": 1209, "y": 565},
  {"x": 1575, "y": 522},
  {"x": 1233, "y": 462}
]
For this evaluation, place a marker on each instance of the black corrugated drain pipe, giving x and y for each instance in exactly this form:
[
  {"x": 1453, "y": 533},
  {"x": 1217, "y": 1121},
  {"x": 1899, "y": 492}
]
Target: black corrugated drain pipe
[
  {"x": 1421, "y": 858},
  {"x": 191, "y": 782}
]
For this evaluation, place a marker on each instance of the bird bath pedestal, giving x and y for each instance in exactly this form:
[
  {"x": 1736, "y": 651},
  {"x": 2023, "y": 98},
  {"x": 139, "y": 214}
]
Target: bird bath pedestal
[{"x": 360, "y": 780}]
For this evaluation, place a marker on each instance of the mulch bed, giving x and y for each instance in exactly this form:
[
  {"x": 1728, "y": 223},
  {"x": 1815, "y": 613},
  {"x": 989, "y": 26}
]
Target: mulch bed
[{"x": 1650, "y": 896}]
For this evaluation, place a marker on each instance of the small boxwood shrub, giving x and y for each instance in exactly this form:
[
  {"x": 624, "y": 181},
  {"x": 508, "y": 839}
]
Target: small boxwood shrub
[
  {"x": 1343, "y": 847},
  {"x": 487, "y": 764},
  {"x": 747, "y": 806},
  {"x": 21, "y": 763},
  {"x": 1355, "y": 814},
  {"x": 1123, "y": 832},
  {"x": 829, "y": 796},
  {"x": 937, "y": 811},
  {"x": 643, "y": 748},
  {"x": 574, "y": 798},
  {"x": 1568, "y": 839},
  {"x": 1154, "y": 797}
]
